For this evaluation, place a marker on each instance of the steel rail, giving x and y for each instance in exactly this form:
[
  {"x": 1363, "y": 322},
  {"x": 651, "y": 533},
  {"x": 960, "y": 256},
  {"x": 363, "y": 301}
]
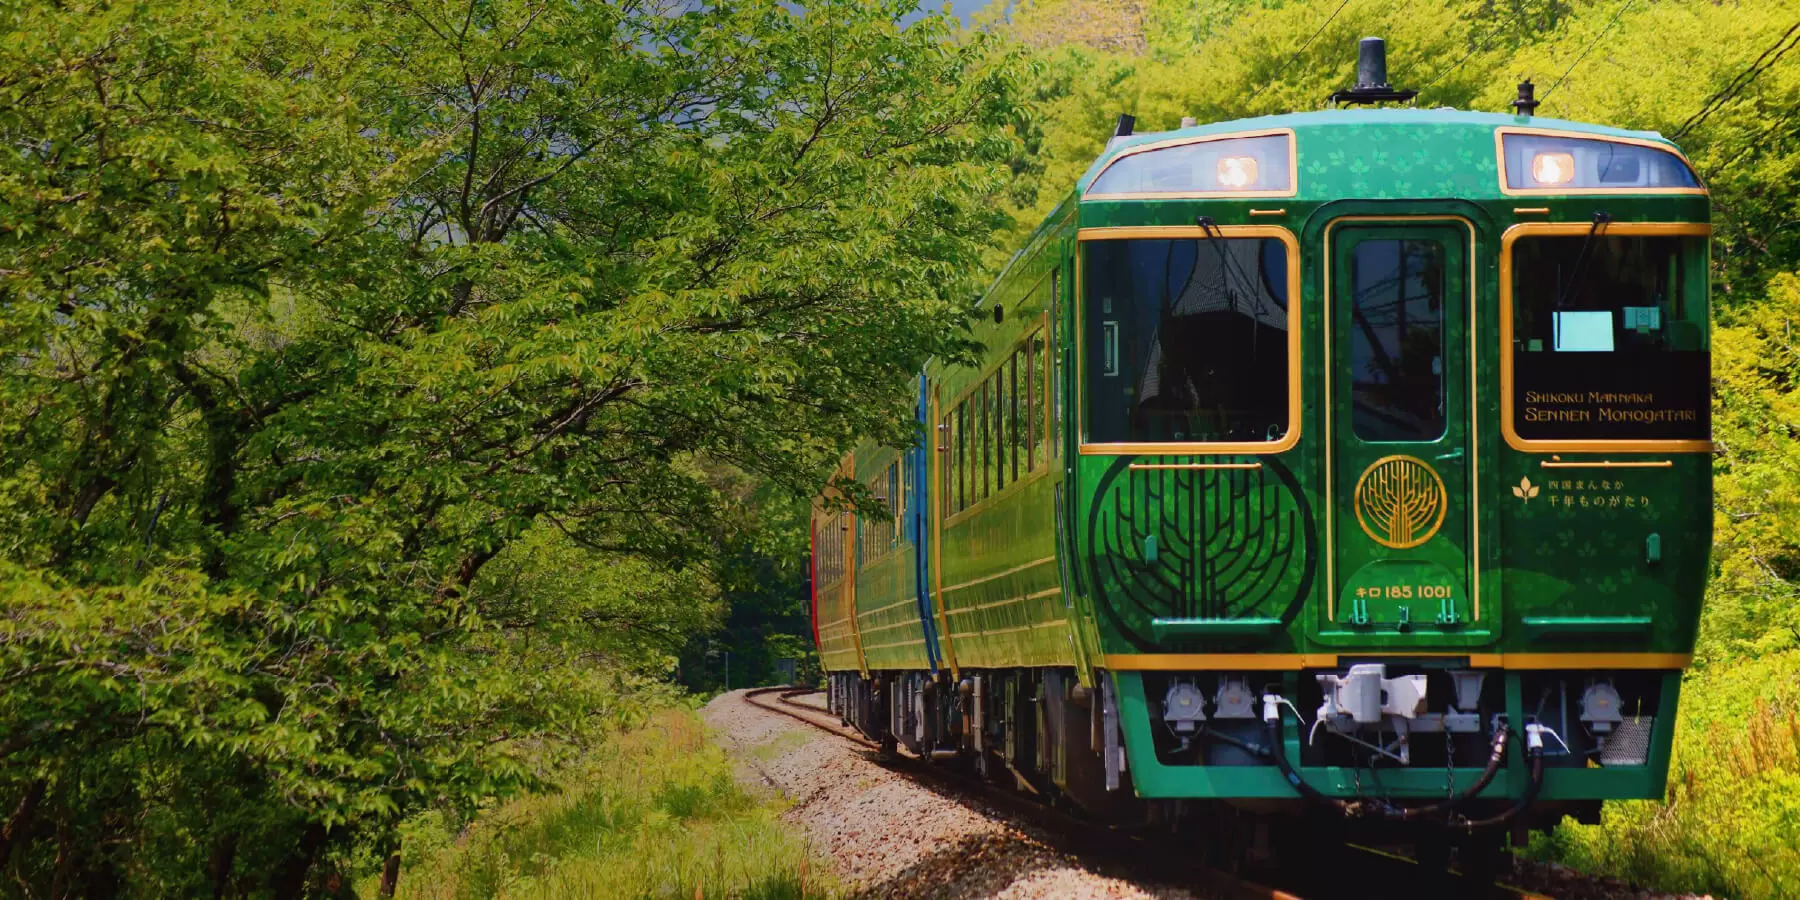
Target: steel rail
[{"x": 1156, "y": 858}]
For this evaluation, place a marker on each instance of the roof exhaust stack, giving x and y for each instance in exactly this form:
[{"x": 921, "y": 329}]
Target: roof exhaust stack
[
  {"x": 1527, "y": 103},
  {"x": 1371, "y": 64},
  {"x": 1371, "y": 77}
]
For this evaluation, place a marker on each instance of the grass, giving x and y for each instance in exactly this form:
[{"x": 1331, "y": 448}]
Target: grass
[
  {"x": 1731, "y": 824},
  {"x": 657, "y": 812}
]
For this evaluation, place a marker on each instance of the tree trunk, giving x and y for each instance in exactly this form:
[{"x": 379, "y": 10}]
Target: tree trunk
[
  {"x": 223, "y": 857},
  {"x": 390, "y": 875},
  {"x": 18, "y": 825},
  {"x": 63, "y": 874},
  {"x": 289, "y": 882}
]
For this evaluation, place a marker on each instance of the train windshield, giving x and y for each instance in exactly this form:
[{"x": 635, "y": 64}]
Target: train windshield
[
  {"x": 1187, "y": 340},
  {"x": 1609, "y": 337}
]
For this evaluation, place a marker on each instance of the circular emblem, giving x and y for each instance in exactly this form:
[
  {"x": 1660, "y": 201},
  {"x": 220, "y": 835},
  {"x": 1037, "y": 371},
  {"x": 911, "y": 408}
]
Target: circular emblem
[{"x": 1400, "y": 501}]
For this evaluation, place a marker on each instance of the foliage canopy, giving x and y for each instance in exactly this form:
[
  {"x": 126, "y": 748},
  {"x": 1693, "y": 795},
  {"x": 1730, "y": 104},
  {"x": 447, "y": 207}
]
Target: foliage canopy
[{"x": 376, "y": 374}]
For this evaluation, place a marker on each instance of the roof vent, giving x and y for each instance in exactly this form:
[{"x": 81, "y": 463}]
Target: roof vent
[{"x": 1371, "y": 77}]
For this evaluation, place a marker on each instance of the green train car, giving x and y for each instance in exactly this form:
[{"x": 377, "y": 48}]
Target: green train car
[{"x": 1354, "y": 459}]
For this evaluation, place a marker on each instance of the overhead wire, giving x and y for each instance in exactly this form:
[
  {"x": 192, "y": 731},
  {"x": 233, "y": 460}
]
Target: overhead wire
[
  {"x": 1296, "y": 56},
  {"x": 1736, "y": 86},
  {"x": 1487, "y": 42},
  {"x": 1586, "y": 50}
]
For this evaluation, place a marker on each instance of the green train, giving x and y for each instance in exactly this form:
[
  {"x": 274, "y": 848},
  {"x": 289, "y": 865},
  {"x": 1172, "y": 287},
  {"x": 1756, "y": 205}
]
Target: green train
[{"x": 1354, "y": 459}]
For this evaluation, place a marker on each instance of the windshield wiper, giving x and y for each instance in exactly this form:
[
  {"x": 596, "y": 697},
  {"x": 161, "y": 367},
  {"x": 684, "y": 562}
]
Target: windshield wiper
[
  {"x": 1602, "y": 218},
  {"x": 1228, "y": 267}
]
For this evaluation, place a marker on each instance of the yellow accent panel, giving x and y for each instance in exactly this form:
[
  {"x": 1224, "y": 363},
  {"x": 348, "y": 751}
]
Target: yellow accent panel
[
  {"x": 1139, "y": 662},
  {"x": 1598, "y": 660},
  {"x": 1609, "y": 464}
]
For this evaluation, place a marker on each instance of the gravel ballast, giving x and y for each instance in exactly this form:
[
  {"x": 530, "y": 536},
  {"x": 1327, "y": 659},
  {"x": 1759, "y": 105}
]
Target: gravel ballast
[{"x": 885, "y": 835}]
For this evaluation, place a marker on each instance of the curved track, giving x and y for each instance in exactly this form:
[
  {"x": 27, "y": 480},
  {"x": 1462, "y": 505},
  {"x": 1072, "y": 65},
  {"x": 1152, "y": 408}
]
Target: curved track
[
  {"x": 1338, "y": 871},
  {"x": 1138, "y": 857}
]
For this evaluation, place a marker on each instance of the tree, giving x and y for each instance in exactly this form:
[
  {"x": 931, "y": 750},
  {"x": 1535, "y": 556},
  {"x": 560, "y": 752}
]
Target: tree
[{"x": 313, "y": 312}]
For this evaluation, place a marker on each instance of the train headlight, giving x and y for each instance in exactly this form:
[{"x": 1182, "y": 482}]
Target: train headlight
[
  {"x": 1237, "y": 172},
  {"x": 1553, "y": 168}
]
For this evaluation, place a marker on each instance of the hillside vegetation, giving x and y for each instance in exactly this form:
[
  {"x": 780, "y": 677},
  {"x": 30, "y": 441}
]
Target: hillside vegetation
[{"x": 1723, "y": 79}]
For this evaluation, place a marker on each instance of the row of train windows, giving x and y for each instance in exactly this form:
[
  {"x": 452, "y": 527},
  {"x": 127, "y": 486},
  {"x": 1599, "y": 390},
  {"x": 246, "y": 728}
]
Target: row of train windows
[
  {"x": 879, "y": 535},
  {"x": 830, "y": 546},
  {"x": 999, "y": 432}
]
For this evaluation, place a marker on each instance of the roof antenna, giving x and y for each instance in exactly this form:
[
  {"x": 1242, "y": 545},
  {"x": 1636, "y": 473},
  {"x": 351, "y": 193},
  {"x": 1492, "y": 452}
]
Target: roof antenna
[
  {"x": 1371, "y": 77},
  {"x": 1527, "y": 103}
]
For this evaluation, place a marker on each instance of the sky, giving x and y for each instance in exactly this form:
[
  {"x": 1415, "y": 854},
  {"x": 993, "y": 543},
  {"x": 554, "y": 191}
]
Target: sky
[{"x": 962, "y": 8}]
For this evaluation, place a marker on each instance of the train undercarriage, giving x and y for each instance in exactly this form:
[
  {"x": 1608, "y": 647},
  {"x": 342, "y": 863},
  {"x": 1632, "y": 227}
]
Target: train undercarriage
[{"x": 1232, "y": 759}]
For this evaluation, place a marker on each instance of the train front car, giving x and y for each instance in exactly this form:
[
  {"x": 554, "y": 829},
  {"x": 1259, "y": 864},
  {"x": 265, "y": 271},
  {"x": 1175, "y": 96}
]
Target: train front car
[{"x": 1391, "y": 484}]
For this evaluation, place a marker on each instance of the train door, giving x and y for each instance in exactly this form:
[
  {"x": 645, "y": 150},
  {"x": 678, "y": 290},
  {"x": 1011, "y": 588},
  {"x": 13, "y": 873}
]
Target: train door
[{"x": 1402, "y": 554}]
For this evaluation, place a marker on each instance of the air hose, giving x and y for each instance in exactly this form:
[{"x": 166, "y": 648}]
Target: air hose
[
  {"x": 1272, "y": 735},
  {"x": 1534, "y": 748}
]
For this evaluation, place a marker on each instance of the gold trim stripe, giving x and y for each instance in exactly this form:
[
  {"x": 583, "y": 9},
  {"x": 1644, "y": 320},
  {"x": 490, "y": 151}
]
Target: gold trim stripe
[
  {"x": 987, "y": 578},
  {"x": 905, "y": 624},
  {"x": 1156, "y": 466},
  {"x": 990, "y": 632},
  {"x": 1610, "y": 464},
  {"x": 893, "y": 605},
  {"x": 908, "y": 643},
  {"x": 1006, "y": 602},
  {"x": 1144, "y": 662}
]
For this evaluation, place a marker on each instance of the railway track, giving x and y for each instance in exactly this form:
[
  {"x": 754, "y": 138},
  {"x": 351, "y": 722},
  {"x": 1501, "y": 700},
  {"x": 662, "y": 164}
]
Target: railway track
[{"x": 1343, "y": 870}]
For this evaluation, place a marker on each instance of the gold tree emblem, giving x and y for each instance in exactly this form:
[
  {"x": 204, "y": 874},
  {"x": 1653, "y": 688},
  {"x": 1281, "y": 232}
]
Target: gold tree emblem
[{"x": 1400, "y": 502}]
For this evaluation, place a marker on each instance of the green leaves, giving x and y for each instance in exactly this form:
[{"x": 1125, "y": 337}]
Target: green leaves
[{"x": 382, "y": 379}]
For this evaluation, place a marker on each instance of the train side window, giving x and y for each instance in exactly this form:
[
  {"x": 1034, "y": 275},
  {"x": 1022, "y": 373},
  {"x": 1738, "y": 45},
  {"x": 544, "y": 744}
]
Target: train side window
[
  {"x": 905, "y": 499},
  {"x": 960, "y": 458},
  {"x": 986, "y": 412},
  {"x": 1002, "y": 440},
  {"x": 1030, "y": 420},
  {"x": 1015, "y": 434},
  {"x": 1009, "y": 386},
  {"x": 1398, "y": 291},
  {"x": 1053, "y": 364},
  {"x": 953, "y": 467},
  {"x": 983, "y": 466}
]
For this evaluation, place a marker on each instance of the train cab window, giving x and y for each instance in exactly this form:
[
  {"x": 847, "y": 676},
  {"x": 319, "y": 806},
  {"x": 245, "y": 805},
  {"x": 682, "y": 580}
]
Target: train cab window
[
  {"x": 1186, "y": 340},
  {"x": 1609, "y": 338},
  {"x": 1397, "y": 295}
]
